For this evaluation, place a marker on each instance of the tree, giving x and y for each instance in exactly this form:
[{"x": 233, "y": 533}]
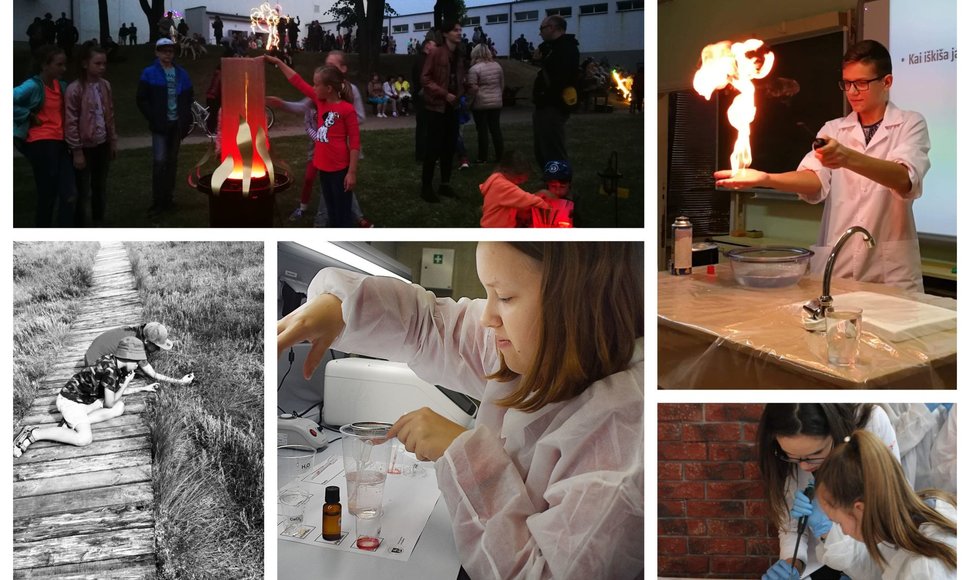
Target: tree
[
  {"x": 368, "y": 24},
  {"x": 153, "y": 12},
  {"x": 103, "y": 22}
]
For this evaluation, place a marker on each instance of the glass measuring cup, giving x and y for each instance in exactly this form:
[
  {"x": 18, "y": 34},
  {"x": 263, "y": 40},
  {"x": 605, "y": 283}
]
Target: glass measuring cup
[
  {"x": 367, "y": 453},
  {"x": 293, "y": 461}
]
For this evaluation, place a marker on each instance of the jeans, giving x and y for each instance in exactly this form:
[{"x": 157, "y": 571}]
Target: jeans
[
  {"x": 92, "y": 182},
  {"x": 54, "y": 177},
  {"x": 486, "y": 122},
  {"x": 549, "y": 135},
  {"x": 442, "y": 139},
  {"x": 335, "y": 205},
  {"x": 165, "y": 158}
]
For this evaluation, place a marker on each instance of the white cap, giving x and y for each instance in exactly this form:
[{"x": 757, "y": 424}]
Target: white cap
[{"x": 164, "y": 42}]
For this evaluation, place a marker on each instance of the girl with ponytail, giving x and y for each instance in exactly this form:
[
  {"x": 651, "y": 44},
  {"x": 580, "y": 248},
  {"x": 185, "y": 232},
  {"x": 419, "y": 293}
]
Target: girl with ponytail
[{"x": 862, "y": 488}]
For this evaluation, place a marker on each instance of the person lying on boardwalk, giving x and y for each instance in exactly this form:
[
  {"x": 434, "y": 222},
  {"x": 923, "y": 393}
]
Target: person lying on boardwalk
[
  {"x": 92, "y": 395},
  {"x": 154, "y": 337}
]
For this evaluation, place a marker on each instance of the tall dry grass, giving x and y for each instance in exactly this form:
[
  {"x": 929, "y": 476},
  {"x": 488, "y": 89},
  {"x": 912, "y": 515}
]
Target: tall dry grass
[
  {"x": 207, "y": 437},
  {"x": 49, "y": 280}
]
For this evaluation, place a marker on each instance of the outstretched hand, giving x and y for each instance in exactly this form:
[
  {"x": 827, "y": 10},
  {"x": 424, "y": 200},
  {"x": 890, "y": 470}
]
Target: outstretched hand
[
  {"x": 745, "y": 178},
  {"x": 319, "y": 321},
  {"x": 833, "y": 154},
  {"x": 187, "y": 379}
]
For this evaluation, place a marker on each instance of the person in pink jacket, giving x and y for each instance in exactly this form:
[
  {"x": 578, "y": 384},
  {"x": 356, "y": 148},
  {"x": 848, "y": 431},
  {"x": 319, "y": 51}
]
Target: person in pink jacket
[
  {"x": 89, "y": 130},
  {"x": 549, "y": 482},
  {"x": 502, "y": 196}
]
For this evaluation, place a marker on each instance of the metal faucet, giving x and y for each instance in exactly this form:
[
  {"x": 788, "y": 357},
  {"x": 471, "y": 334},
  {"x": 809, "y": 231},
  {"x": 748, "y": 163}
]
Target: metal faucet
[{"x": 825, "y": 300}]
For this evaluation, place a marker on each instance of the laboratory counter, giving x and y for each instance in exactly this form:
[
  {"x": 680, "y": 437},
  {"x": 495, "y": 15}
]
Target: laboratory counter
[{"x": 713, "y": 333}]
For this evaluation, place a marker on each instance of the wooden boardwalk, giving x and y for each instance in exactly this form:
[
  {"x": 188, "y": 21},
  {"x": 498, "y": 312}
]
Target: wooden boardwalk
[{"x": 87, "y": 512}]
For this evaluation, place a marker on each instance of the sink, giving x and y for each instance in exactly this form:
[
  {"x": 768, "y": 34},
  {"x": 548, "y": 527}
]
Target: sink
[{"x": 896, "y": 319}]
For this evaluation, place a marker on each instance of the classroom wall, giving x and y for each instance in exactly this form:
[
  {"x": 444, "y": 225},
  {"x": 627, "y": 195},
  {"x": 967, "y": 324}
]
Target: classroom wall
[
  {"x": 465, "y": 281},
  {"x": 711, "y": 500}
]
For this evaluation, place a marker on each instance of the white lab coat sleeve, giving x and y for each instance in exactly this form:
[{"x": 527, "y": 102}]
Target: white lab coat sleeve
[
  {"x": 441, "y": 340},
  {"x": 912, "y": 150},
  {"x": 840, "y": 552},
  {"x": 592, "y": 522},
  {"x": 880, "y": 425},
  {"x": 824, "y": 174}
]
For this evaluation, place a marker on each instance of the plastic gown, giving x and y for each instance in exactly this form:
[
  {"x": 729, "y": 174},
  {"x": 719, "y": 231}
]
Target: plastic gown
[
  {"x": 840, "y": 552},
  {"x": 557, "y": 493}
]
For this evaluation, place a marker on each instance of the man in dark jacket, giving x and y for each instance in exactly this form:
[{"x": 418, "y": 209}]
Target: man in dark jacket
[
  {"x": 442, "y": 85},
  {"x": 554, "y": 88},
  {"x": 165, "y": 99}
]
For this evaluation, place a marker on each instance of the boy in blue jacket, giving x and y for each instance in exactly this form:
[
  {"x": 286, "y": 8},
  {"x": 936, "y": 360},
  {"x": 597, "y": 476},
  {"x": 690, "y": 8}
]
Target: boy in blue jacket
[{"x": 165, "y": 99}]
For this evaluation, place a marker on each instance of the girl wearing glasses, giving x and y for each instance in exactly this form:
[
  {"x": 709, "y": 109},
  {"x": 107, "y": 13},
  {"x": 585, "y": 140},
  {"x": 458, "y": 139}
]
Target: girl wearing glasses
[
  {"x": 793, "y": 441},
  {"x": 906, "y": 534}
]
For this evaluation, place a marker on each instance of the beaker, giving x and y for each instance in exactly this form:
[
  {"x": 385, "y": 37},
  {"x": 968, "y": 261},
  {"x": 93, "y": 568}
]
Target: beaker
[
  {"x": 367, "y": 453},
  {"x": 293, "y": 461},
  {"x": 292, "y": 502}
]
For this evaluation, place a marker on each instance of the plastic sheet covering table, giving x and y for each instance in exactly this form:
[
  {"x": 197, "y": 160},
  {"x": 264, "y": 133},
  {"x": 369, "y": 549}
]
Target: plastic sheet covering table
[{"x": 713, "y": 333}]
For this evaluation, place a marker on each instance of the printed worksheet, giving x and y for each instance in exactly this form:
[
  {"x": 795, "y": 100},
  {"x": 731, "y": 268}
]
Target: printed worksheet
[{"x": 410, "y": 494}]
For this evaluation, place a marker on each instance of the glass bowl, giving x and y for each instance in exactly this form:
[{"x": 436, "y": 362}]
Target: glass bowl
[{"x": 771, "y": 267}]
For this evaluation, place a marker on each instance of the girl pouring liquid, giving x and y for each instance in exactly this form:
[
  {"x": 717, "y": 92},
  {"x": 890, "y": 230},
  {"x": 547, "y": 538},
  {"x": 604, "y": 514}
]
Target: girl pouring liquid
[
  {"x": 549, "y": 482},
  {"x": 906, "y": 534},
  {"x": 793, "y": 442}
]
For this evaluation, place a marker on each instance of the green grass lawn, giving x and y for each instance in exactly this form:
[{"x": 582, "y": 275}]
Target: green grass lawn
[
  {"x": 388, "y": 179},
  {"x": 49, "y": 280},
  {"x": 207, "y": 437}
]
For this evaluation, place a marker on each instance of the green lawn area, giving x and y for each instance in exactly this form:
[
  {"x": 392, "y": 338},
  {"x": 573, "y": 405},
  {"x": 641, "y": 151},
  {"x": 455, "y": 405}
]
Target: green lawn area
[{"x": 388, "y": 179}]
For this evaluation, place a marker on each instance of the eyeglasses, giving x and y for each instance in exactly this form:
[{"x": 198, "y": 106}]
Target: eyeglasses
[
  {"x": 544, "y": 26},
  {"x": 809, "y": 460},
  {"x": 860, "y": 85}
]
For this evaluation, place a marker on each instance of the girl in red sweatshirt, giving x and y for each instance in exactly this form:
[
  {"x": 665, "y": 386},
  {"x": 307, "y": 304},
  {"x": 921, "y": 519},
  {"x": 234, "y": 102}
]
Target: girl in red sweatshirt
[{"x": 337, "y": 144}]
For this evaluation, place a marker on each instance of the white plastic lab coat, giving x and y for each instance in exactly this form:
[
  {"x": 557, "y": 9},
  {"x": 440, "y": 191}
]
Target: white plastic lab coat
[
  {"x": 905, "y": 565},
  {"x": 557, "y": 493},
  {"x": 851, "y": 199},
  {"x": 840, "y": 550}
]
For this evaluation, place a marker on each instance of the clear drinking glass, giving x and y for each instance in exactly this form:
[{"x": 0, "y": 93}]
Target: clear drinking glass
[
  {"x": 367, "y": 453},
  {"x": 843, "y": 329}
]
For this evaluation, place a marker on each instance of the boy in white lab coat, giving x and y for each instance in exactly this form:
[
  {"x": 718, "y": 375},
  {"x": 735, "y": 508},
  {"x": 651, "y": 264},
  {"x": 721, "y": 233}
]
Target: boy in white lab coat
[{"x": 869, "y": 171}]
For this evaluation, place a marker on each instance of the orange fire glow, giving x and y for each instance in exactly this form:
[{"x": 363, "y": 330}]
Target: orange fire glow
[
  {"x": 624, "y": 84},
  {"x": 736, "y": 64},
  {"x": 243, "y": 87}
]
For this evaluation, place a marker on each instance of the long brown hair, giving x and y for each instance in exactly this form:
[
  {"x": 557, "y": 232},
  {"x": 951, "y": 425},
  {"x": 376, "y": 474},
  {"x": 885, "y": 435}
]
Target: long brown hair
[
  {"x": 864, "y": 470},
  {"x": 591, "y": 317},
  {"x": 836, "y": 420}
]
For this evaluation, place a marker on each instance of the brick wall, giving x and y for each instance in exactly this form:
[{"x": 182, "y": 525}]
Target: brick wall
[{"x": 711, "y": 511}]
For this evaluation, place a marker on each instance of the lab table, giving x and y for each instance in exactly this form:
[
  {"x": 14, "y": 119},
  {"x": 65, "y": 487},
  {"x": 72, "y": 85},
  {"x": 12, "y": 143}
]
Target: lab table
[
  {"x": 713, "y": 333},
  {"x": 434, "y": 556}
]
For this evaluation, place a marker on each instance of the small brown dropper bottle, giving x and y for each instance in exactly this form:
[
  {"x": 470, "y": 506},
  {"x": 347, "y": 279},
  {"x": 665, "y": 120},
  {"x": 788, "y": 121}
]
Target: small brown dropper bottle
[{"x": 331, "y": 513}]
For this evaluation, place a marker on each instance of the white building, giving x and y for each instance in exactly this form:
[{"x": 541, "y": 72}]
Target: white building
[
  {"x": 199, "y": 15},
  {"x": 611, "y": 29}
]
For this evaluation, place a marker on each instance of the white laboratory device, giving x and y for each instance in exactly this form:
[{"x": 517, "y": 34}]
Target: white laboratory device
[
  {"x": 358, "y": 389},
  {"x": 291, "y": 430}
]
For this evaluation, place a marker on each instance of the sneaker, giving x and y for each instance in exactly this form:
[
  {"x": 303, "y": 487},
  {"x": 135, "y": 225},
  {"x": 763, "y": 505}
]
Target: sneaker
[
  {"x": 23, "y": 441},
  {"x": 445, "y": 190},
  {"x": 428, "y": 195},
  {"x": 364, "y": 223},
  {"x": 464, "y": 165},
  {"x": 297, "y": 214},
  {"x": 394, "y": 114}
]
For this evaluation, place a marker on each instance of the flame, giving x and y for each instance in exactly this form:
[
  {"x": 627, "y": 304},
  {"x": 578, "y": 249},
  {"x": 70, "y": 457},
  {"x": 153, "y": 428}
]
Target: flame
[
  {"x": 624, "y": 84},
  {"x": 724, "y": 64},
  {"x": 265, "y": 18}
]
